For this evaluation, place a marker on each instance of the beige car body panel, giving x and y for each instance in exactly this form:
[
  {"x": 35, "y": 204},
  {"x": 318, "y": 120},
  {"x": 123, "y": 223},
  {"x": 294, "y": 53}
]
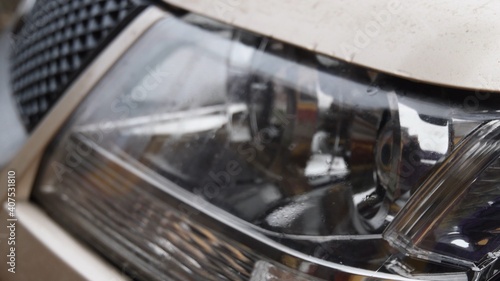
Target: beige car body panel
[{"x": 450, "y": 42}]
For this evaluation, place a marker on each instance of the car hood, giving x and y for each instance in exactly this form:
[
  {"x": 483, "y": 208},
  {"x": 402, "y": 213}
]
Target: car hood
[{"x": 454, "y": 43}]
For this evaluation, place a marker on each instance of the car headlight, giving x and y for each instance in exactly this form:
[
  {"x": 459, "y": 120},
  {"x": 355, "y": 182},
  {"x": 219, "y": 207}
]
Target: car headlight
[{"x": 210, "y": 153}]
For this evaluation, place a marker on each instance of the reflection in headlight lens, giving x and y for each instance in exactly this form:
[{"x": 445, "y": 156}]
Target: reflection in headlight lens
[{"x": 307, "y": 151}]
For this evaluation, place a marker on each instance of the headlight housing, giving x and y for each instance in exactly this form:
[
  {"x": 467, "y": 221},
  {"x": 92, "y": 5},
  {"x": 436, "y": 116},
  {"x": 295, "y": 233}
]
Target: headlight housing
[{"x": 210, "y": 153}]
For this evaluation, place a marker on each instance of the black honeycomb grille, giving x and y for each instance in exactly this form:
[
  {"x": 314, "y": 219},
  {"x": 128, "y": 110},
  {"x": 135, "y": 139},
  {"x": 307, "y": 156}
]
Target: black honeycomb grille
[{"x": 57, "y": 40}]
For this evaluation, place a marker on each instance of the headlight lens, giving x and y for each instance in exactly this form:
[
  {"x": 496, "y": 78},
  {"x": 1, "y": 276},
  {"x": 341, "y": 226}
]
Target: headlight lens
[
  {"x": 455, "y": 215},
  {"x": 201, "y": 132}
]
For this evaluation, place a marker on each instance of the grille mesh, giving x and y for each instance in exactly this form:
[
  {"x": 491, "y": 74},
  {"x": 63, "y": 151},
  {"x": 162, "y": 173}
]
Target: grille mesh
[{"x": 57, "y": 40}]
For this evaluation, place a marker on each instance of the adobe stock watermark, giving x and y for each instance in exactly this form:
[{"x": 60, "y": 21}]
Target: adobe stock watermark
[
  {"x": 473, "y": 102},
  {"x": 364, "y": 36},
  {"x": 224, "y": 8},
  {"x": 123, "y": 105},
  {"x": 33, "y": 25},
  {"x": 224, "y": 178},
  {"x": 11, "y": 221}
]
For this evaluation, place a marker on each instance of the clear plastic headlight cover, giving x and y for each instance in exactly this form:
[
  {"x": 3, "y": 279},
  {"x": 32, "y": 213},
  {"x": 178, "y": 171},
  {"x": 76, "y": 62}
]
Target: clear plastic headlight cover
[{"x": 209, "y": 153}]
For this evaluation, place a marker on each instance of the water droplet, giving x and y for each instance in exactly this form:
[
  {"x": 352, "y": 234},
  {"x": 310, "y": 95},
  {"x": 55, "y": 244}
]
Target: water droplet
[{"x": 372, "y": 90}]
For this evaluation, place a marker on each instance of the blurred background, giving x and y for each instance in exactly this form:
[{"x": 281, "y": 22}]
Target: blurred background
[{"x": 12, "y": 132}]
